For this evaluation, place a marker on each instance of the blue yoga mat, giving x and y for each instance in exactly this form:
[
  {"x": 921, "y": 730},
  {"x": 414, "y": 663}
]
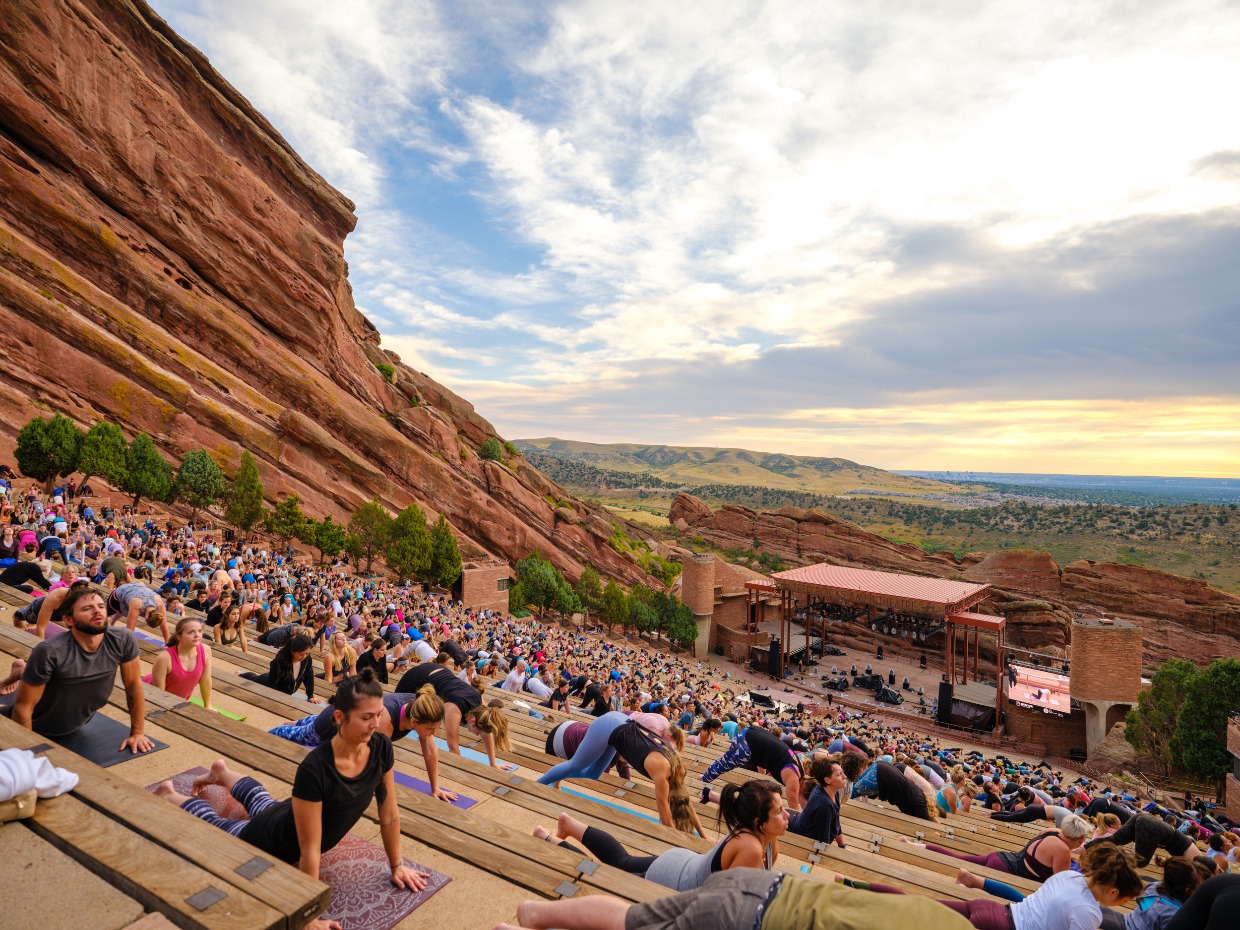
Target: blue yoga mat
[
  {"x": 417, "y": 784},
  {"x": 467, "y": 753},
  {"x": 606, "y": 803}
]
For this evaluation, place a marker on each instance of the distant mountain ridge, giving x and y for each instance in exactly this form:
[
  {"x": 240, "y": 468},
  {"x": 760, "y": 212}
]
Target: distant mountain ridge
[{"x": 702, "y": 465}]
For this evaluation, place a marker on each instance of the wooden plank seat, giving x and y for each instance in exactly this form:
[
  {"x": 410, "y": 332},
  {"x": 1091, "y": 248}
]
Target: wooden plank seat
[
  {"x": 513, "y": 856},
  {"x": 195, "y": 874}
]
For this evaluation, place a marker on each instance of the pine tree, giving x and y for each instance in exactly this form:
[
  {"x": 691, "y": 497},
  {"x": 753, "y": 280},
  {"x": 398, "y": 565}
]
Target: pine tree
[
  {"x": 103, "y": 454},
  {"x": 147, "y": 473},
  {"x": 287, "y": 520},
  {"x": 245, "y": 495},
  {"x": 199, "y": 482},
  {"x": 445, "y": 566},
  {"x": 371, "y": 526},
  {"x": 589, "y": 590},
  {"x": 48, "y": 449},
  {"x": 329, "y": 538},
  {"x": 409, "y": 545}
]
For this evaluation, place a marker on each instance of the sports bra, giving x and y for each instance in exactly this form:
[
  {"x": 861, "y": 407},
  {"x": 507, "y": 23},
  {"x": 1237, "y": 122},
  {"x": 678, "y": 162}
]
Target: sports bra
[{"x": 1025, "y": 864}]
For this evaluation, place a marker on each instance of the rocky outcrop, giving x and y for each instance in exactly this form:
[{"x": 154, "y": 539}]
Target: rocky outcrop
[
  {"x": 1178, "y": 616},
  {"x": 168, "y": 262}
]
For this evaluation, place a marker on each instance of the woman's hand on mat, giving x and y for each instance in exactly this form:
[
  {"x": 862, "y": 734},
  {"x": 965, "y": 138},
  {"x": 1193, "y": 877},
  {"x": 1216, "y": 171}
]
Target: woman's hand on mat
[
  {"x": 405, "y": 877},
  {"x": 445, "y": 795},
  {"x": 137, "y": 744},
  {"x": 315, "y": 700}
]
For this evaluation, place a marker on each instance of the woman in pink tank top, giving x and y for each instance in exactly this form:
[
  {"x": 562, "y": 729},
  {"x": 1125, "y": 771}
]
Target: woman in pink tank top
[{"x": 185, "y": 663}]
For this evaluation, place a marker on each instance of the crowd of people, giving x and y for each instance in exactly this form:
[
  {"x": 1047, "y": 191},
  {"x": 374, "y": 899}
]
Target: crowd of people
[{"x": 634, "y": 706}]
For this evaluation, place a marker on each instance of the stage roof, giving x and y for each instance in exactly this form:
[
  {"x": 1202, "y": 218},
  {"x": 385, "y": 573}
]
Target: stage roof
[
  {"x": 861, "y": 585},
  {"x": 978, "y": 621}
]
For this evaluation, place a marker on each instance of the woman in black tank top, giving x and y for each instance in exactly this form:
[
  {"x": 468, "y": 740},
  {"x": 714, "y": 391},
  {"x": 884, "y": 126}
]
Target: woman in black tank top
[{"x": 462, "y": 703}]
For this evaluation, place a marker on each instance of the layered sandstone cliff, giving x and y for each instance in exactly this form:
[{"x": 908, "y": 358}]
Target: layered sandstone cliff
[
  {"x": 169, "y": 263},
  {"x": 1179, "y": 617}
]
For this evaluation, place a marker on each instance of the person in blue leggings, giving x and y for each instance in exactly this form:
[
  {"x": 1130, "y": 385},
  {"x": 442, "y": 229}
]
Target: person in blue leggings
[{"x": 615, "y": 734}]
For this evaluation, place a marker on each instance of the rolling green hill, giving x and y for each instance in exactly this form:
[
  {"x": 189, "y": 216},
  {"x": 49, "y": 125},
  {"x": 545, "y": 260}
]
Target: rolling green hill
[{"x": 696, "y": 465}]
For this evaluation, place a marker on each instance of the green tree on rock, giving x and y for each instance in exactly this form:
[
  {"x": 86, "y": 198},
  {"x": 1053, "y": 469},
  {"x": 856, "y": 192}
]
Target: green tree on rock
[
  {"x": 48, "y": 449},
  {"x": 199, "y": 482},
  {"x": 1200, "y": 742},
  {"x": 286, "y": 521},
  {"x": 409, "y": 544},
  {"x": 244, "y": 496},
  {"x": 445, "y": 566},
  {"x": 329, "y": 538},
  {"x": 370, "y": 525},
  {"x": 147, "y": 473},
  {"x": 1150, "y": 725},
  {"x": 103, "y": 454},
  {"x": 492, "y": 450},
  {"x": 682, "y": 629},
  {"x": 538, "y": 583},
  {"x": 589, "y": 590},
  {"x": 614, "y": 611},
  {"x": 642, "y": 616}
]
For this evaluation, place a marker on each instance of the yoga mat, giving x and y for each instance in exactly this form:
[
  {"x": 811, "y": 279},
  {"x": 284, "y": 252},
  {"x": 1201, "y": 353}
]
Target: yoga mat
[
  {"x": 196, "y": 699},
  {"x": 417, "y": 784},
  {"x": 603, "y": 801},
  {"x": 363, "y": 897},
  {"x": 467, "y": 753},
  {"x": 98, "y": 740}
]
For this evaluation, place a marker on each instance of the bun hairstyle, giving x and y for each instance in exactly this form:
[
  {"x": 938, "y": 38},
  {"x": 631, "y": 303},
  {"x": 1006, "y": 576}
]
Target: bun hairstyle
[
  {"x": 747, "y": 806},
  {"x": 958, "y": 776},
  {"x": 1026, "y": 796},
  {"x": 426, "y": 706},
  {"x": 1108, "y": 864},
  {"x": 355, "y": 689}
]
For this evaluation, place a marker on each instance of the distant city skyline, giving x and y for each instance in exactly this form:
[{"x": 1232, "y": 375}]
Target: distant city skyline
[{"x": 978, "y": 237}]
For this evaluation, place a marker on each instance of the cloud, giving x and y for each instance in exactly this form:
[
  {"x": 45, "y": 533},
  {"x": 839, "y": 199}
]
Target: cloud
[{"x": 741, "y": 210}]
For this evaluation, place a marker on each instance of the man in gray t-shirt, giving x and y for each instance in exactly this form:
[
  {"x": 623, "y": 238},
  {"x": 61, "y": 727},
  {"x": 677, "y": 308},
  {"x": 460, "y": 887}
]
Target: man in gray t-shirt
[{"x": 70, "y": 677}]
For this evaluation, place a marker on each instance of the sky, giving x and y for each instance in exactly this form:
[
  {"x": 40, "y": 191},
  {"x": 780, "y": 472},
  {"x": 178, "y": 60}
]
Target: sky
[{"x": 996, "y": 236}]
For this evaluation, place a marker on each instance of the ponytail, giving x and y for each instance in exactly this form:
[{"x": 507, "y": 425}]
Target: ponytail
[
  {"x": 356, "y": 688},
  {"x": 426, "y": 706},
  {"x": 493, "y": 723}
]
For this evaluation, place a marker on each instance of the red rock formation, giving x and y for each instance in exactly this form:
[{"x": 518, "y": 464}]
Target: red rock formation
[
  {"x": 169, "y": 263},
  {"x": 1178, "y": 616}
]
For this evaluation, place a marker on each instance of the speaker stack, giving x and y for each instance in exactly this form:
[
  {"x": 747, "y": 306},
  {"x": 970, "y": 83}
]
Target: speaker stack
[{"x": 946, "y": 692}]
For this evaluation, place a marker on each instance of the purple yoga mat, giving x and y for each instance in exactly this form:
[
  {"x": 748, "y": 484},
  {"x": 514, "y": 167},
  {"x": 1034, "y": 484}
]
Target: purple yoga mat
[
  {"x": 417, "y": 784},
  {"x": 357, "y": 871}
]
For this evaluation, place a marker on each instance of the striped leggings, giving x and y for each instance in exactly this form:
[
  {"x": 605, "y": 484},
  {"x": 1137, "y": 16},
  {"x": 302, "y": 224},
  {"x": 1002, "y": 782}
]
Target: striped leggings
[{"x": 253, "y": 797}]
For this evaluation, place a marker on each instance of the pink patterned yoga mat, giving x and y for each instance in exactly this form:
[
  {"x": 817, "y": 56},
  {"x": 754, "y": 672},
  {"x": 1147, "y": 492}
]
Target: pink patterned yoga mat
[{"x": 356, "y": 871}]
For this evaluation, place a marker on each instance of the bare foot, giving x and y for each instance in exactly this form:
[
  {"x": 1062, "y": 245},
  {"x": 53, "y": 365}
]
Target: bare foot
[
  {"x": 567, "y": 826},
  {"x": 840, "y": 879},
  {"x": 216, "y": 776},
  {"x": 166, "y": 791},
  {"x": 9, "y": 685},
  {"x": 527, "y": 914},
  {"x": 542, "y": 833},
  {"x": 969, "y": 880}
]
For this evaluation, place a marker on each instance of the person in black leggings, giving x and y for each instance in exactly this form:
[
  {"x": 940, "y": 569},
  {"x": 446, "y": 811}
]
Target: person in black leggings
[
  {"x": 1107, "y": 806},
  {"x": 1147, "y": 833},
  {"x": 1213, "y": 906},
  {"x": 23, "y": 576}
]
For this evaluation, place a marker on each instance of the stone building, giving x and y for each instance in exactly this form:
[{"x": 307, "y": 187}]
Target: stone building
[
  {"x": 483, "y": 584},
  {"x": 715, "y": 591}
]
